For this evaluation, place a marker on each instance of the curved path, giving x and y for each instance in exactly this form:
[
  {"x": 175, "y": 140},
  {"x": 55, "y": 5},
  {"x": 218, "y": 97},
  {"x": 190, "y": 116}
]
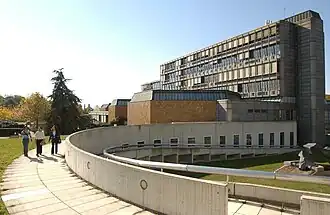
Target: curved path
[{"x": 45, "y": 185}]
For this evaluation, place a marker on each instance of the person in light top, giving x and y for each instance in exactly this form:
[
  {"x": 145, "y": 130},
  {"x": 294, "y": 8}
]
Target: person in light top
[{"x": 40, "y": 138}]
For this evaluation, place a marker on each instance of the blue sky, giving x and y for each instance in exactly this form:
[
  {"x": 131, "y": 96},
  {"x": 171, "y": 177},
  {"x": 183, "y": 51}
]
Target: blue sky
[{"x": 110, "y": 47}]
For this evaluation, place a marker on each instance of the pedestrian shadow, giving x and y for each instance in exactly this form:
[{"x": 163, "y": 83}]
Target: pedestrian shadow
[
  {"x": 49, "y": 158},
  {"x": 59, "y": 156},
  {"x": 35, "y": 159}
]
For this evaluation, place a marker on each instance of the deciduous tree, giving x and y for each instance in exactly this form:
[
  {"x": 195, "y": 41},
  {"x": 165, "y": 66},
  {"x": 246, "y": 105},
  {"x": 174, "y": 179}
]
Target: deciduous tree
[
  {"x": 5, "y": 113},
  {"x": 35, "y": 108}
]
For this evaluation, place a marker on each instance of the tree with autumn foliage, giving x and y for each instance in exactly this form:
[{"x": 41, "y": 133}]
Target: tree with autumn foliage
[
  {"x": 35, "y": 108},
  {"x": 5, "y": 113}
]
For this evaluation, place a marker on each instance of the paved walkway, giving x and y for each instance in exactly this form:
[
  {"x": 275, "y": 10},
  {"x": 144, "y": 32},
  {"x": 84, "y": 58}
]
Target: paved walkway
[{"x": 45, "y": 185}]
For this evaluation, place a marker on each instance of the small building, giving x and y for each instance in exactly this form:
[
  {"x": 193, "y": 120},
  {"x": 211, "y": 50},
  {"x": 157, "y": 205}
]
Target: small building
[
  {"x": 99, "y": 116},
  {"x": 118, "y": 108},
  {"x": 167, "y": 106}
]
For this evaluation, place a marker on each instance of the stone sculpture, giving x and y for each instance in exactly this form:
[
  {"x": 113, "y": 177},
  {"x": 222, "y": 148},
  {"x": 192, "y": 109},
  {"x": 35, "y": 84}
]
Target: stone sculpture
[{"x": 305, "y": 157}]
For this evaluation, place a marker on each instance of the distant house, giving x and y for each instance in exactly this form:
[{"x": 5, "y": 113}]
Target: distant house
[{"x": 100, "y": 116}]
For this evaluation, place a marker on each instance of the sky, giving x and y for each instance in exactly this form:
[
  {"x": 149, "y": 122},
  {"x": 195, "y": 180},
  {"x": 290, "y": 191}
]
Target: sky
[{"x": 110, "y": 47}]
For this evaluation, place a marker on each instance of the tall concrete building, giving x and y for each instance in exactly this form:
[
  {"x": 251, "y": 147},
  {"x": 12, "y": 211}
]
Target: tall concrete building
[
  {"x": 282, "y": 61},
  {"x": 154, "y": 85}
]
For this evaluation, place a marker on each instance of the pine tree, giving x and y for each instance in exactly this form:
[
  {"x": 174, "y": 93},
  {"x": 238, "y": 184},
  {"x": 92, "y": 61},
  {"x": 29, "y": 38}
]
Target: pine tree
[{"x": 65, "y": 113}]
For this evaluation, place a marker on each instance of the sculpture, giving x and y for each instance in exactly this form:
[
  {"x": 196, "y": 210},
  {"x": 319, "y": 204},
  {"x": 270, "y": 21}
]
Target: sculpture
[{"x": 305, "y": 157}]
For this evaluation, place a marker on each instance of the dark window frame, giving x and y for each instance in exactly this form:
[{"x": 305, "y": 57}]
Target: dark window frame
[{"x": 236, "y": 140}]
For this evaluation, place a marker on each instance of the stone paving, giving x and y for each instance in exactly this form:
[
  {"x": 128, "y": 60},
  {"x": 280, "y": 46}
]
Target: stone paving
[{"x": 45, "y": 185}]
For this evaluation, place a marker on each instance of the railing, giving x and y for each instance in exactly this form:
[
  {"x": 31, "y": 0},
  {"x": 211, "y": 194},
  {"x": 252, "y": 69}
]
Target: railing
[{"x": 214, "y": 170}]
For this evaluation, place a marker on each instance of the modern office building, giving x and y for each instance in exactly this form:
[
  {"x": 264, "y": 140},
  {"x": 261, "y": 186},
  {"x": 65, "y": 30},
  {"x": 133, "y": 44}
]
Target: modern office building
[
  {"x": 154, "y": 85},
  {"x": 282, "y": 61}
]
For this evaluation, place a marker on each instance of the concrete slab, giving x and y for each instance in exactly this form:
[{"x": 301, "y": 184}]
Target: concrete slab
[
  {"x": 234, "y": 206},
  {"x": 94, "y": 205},
  {"x": 111, "y": 208},
  {"x": 267, "y": 211},
  {"x": 249, "y": 209},
  {"x": 85, "y": 199}
]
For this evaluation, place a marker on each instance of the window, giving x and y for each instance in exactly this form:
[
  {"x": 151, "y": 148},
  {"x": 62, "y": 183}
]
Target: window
[
  {"x": 191, "y": 140},
  {"x": 261, "y": 140},
  {"x": 174, "y": 141},
  {"x": 281, "y": 139},
  {"x": 271, "y": 140},
  {"x": 248, "y": 140},
  {"x": 222, "y": 141},
  {"x": 291, "y": 139},
  {"x": 207, "y": 141},
  {"x": 157, "y": 143},
  {"x": 140, "y": 144},
  {"x": 236, "y": 140}
]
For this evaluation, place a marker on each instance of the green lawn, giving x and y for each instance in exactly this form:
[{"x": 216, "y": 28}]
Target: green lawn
[
  {"x": 10, "y": 149},
  {"x": 270, "y": 163}
]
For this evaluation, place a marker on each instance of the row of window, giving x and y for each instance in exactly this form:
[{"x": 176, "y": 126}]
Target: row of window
[
  {"x": 193, "y": 95},
  {"x": 227, "y": 45},
  {"x": 225, "y": 62},
  {"x": 174, "y": 141},
  {"x": 220, "y": 76}
]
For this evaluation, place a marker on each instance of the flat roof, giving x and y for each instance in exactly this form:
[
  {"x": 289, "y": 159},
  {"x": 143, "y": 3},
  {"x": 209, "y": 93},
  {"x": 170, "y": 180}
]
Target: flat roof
[
  {"x": 120, "y": 102},
  {"x": 184, "y": 95}
]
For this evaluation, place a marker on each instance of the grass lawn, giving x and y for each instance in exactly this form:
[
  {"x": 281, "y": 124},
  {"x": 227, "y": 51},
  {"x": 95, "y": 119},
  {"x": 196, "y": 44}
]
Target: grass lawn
[
  {"x": 10, "y": 149},
  {"x": 270, "y": 163}
]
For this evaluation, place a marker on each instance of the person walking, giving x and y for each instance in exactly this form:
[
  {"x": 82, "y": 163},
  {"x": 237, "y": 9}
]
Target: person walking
[
  {"x": 55, "y": 139},
  {"x": 40, "y": 138},
  {"x": 26, "y": 137}
]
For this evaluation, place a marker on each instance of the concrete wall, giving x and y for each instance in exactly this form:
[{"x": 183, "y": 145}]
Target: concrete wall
[
  {"x": 314, "y": 205},
  {"x": 158, "y": 191},
  {"x": 260, "y": 193},
  {"x": 116, "y": 136},
  {"x": 210, "y": 153},
  {"x": 249, "y": 110}
]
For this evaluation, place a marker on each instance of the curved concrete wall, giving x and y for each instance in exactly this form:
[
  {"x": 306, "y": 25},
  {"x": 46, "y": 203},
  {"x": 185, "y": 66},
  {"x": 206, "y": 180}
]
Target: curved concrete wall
[
  {"x": 158, "y": 191},
  {"x": 95, "y": 140},
  {"x": 163, "y": 192}
]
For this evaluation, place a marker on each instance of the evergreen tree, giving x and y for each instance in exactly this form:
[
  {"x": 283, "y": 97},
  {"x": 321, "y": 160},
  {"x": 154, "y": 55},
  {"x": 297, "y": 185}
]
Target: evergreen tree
[{"x": 65, "y": 113}]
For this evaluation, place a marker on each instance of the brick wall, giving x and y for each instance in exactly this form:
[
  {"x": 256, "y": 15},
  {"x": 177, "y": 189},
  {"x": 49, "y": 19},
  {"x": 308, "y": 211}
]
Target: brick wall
[
  {"x": 138, "y": 113},
  {"x": 171, "y": 111},
  {"x": 117, "y": 111},
  {"x": 183, "y": 111}
]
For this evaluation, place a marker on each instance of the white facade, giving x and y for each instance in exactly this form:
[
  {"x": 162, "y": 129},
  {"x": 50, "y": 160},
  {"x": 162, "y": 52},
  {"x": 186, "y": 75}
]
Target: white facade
[{"x": 100, "y": 116}]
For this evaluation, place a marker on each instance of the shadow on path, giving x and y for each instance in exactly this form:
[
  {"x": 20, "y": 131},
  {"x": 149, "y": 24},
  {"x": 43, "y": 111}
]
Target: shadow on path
[
  {"x": 35, "y": 159},
  {"x": 49, "y": 158}
]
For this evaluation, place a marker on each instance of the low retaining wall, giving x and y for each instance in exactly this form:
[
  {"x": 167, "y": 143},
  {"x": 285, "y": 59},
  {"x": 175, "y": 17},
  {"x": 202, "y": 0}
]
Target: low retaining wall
[
  {"x": 278, "y": 196},
  {"x": 162, "y": 192},
  {"x": 311, "y": 205}
]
